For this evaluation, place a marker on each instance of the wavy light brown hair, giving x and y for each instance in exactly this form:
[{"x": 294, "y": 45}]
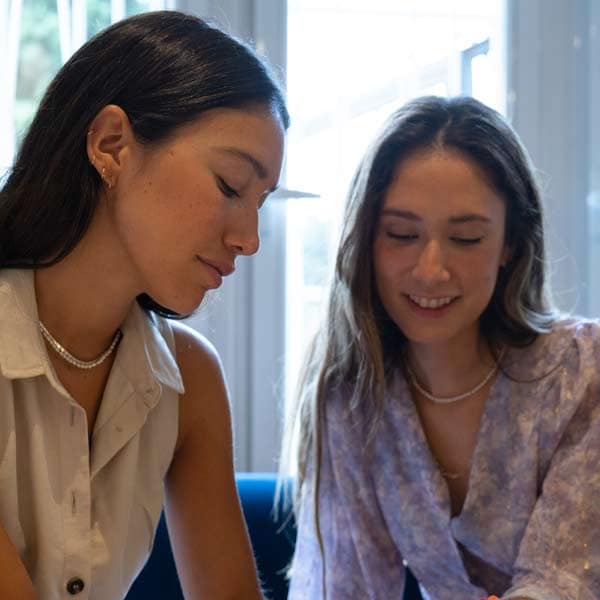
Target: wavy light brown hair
[{"x": 358, "y": 345}]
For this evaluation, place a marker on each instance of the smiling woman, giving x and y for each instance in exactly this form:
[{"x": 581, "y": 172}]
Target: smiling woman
[
  {"x": 135, "y": 190},
  {"x": 438, "y": 249},
  {"x": 449, "y": 419}
]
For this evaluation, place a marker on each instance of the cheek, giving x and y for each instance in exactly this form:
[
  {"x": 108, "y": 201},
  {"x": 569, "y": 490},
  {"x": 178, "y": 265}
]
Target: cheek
[
  {"x": 389, "y": 270},
  {"x": 389, "y": 263},
  {"x": 481, "y": 272}
]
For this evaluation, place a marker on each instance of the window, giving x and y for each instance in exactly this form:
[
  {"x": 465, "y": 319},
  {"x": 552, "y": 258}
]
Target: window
[
  {"x": 36, "y": 38},
  {"x": 349, "y": 65},
  {"x": 349, "y": 62}
]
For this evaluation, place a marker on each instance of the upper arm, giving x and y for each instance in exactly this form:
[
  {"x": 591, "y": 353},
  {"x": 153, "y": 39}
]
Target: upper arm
[{"x": 206, "y": 526}]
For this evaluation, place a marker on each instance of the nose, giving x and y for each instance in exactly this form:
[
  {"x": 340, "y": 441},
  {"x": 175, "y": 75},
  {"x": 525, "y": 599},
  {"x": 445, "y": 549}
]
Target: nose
[
  {"x": 430, "y": 267},
  {"x": 242, "y": 236}
]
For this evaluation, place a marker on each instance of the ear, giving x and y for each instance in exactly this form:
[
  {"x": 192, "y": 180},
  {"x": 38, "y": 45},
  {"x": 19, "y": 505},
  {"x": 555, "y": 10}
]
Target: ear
[{"x": 108, "y": 139}]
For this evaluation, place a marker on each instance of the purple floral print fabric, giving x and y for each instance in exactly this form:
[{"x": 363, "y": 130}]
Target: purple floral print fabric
[{"x": 530, "y": 524}]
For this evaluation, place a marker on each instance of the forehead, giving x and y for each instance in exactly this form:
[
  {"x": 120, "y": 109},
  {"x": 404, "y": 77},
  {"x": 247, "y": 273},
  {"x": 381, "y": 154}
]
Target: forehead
[
  {"x": 255, "y": 132},
  {"x": 444, "y": 183}
]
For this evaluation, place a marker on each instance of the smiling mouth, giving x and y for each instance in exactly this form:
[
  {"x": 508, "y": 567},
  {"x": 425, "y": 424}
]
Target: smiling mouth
[{"x": 431, "y": 303}]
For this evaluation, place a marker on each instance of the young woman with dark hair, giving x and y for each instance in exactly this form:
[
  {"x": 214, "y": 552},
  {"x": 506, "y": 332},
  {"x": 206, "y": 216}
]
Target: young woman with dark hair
[
  {"x": 449, "y": 418},
  {"x": 135, "y": 189}
]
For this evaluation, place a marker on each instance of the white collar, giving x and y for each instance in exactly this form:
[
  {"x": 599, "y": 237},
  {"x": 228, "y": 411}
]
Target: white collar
[{"x": 144, "y": 355}]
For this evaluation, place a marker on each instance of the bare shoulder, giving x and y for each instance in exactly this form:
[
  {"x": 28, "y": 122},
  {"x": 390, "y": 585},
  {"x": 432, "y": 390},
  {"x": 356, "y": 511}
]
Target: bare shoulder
[
  {"x": 205, "y": 405},
  {"x": 196, "y": 356}
]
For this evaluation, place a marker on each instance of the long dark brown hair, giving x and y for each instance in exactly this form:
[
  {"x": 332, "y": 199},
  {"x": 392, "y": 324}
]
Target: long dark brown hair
[{"x": 164, "y": 69}]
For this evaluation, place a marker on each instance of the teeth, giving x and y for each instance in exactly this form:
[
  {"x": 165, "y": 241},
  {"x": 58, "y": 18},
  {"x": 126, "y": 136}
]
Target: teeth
[{"x": 431, "y": 302}]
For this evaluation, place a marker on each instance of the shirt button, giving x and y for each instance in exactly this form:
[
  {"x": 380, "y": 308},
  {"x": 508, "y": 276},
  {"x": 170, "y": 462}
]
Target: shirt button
[{"x": 75, "y": 585}]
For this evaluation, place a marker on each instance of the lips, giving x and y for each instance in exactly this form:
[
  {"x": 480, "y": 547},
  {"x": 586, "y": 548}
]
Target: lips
[
  {"x": 216, "y": 270},
  {"x": 223, "y": 268}
]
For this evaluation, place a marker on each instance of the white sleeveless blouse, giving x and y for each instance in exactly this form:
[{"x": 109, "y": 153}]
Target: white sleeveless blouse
[{"x": 81, "y": 515}]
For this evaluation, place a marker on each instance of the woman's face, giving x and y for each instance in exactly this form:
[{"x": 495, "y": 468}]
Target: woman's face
[
  {"x": 186, "y": 210},
  {"x": 438, "y": 247}
]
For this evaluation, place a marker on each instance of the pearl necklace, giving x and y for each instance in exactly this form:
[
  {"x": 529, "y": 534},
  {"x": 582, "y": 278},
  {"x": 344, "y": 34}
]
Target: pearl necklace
[
  {"x": 450, "y": 399},
  {"x": 73, "y": 360}
]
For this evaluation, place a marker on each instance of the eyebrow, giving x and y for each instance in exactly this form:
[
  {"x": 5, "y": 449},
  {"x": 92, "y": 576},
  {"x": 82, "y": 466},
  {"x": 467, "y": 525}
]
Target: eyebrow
[{"x": 410, "y": 216}]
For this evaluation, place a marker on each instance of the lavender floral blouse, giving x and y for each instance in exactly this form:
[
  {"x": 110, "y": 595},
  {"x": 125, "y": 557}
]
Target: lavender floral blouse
[{"x": 530, "y": 523}]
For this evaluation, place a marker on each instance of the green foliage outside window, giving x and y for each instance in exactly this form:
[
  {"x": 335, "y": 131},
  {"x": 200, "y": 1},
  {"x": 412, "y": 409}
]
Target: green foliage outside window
[{"x": 39, "y": 50}]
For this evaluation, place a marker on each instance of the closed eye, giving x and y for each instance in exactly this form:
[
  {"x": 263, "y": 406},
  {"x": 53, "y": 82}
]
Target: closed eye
[
  {"x": 227, "y": 189},
  {"x": 465, "y": 241},
  {"x": 402, "y": 237}
]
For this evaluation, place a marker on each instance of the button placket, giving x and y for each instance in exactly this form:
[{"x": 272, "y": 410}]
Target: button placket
[{"x": 76, "y": 504}]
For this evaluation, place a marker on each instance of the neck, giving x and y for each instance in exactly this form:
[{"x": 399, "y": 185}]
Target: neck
[
  {"x": 84, "y": 299},
  {"x": 449, "y": 369}
]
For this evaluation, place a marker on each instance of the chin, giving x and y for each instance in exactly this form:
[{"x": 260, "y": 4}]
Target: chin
[
  {"x": 422, "y": 332},
  {"x": 431, "y": 336},
  {"x": 423, "y": 339},
  {"x": 190, "y": 307},
  {"x": 182, "y": 305}
]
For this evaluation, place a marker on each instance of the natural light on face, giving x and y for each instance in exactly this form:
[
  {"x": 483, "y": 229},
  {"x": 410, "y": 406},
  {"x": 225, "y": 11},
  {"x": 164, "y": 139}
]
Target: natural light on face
[{"x": 438, "y": 248}]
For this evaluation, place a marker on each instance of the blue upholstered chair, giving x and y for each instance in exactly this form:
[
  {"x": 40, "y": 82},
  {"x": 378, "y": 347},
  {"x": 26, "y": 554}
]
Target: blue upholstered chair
[{"x": 273, "y": 546}]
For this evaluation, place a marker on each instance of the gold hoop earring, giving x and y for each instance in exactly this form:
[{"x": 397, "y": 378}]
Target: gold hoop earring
[{"x": 106, "y": 180}]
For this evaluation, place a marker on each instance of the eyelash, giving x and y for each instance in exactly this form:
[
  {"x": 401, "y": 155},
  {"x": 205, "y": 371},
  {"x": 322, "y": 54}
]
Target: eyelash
[
  {"x": 457, "y": 240},
  {"x": 401, "y": 238},
  {"x": 467, "y": 241},
  {"x": 227, "y": 189}
]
